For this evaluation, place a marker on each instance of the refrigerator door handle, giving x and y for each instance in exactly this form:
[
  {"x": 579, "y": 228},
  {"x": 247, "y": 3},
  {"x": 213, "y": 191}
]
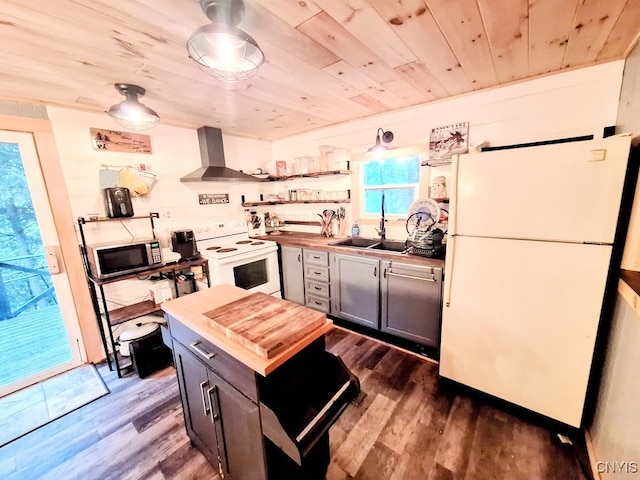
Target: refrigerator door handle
[
  {"x": 453, "y": 195},
  {"x": 448, "y": 278}
]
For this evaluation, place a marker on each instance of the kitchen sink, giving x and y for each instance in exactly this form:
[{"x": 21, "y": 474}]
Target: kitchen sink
[
  {"x": 389, "y": 245},
  {"x": 372, "y": 244},
  {"x": 357, "y": 242}
]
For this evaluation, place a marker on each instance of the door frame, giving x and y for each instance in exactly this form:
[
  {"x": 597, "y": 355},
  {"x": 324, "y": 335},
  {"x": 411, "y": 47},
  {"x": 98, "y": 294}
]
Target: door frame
[{"x": 89, "y": 345}]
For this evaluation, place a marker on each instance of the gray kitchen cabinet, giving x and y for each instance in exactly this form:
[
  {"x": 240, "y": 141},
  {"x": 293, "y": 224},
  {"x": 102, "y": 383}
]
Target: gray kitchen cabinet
[
  {"x": 221, "y": 421},
  {"x": 355, "y": 288},
  {"x": 292, "y": 274},
  {"x": 193, "y": 382},
  {"x": 411, "y": 297}
]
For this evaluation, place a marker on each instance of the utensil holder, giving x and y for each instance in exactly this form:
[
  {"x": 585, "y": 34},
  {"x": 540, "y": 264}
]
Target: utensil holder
[{"x": 326, "y": 228}]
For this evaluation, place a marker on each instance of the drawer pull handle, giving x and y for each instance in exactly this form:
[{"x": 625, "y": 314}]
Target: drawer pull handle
[
  {"x": 214, "y": 416},
  {"x": 410, "y": 277},
  {"x": 317, "y": 303},
  {"x": 207, "y": 409},
  {"x": 317, "y": 273},
  {"x": 317, "y": 288},
  {"x": 316, "y": 257},
  {"x": 196, "y": 346}
]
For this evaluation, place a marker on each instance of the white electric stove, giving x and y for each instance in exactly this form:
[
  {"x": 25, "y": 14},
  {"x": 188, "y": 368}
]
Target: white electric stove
[{"x": 236, "y": 259}]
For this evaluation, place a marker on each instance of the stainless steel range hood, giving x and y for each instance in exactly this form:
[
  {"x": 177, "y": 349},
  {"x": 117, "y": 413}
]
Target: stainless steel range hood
[{"x": 213, "y": 166}]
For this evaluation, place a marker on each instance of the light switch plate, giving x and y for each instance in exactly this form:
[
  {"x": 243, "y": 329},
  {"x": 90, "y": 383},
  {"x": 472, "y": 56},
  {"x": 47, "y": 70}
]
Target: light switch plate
[{"x": 52, "y": 259}]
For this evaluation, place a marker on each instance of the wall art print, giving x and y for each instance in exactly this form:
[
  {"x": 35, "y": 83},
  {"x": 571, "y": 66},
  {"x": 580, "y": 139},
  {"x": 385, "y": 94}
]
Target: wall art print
[{"x": 449, "y": 140}]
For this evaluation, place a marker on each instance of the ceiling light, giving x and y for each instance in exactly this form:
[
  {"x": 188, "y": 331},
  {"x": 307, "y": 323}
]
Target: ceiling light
[
  {"x": 221, "y": 49},
  {"x": 130, "y": 113},
  {"x": 381, "y": 136}
]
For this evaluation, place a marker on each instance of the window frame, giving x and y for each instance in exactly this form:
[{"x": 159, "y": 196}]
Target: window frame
[{"x": 416, "y": 151}]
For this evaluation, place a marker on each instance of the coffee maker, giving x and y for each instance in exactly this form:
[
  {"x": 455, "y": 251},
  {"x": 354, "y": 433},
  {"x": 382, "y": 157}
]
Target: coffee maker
[{"x": 184, "y": 243}]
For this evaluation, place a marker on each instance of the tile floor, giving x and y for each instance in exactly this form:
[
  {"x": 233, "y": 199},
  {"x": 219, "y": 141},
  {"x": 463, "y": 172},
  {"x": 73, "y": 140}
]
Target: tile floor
[{"x": 34, "y": 406}]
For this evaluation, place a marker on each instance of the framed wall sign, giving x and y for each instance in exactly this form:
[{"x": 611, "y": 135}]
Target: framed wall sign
[
  {"x": 213, "y": 198},
  {"x": 114, "y": 141},
  {"x": 448, "y": 140}
]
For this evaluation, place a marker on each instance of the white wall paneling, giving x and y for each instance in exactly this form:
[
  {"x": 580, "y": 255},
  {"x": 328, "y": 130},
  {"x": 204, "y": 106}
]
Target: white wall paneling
[{"x": 615, "y": 430}]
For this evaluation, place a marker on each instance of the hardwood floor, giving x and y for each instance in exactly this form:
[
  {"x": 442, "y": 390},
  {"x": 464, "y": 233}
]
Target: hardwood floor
[{"x": 408, "y": 425}]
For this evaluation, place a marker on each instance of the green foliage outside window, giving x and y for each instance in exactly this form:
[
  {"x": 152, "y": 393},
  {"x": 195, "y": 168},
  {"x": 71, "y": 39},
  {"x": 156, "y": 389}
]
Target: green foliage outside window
[{"x": 397, "y": 177}]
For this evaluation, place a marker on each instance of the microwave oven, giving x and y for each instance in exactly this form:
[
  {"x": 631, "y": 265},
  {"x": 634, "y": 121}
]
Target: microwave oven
[{"x": 108, "y": 260}]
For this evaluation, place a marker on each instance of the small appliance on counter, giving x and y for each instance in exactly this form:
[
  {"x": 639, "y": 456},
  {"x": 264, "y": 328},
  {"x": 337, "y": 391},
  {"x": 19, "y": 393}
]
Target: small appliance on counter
[
  {"x": 184, "y": 243},
  {"x": 117, "y": 202},
  {"x": 256, "y": 224}
]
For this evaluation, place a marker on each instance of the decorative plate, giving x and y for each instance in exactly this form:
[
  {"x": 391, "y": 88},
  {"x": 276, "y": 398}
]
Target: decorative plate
[{"x": 427, "y": 214}]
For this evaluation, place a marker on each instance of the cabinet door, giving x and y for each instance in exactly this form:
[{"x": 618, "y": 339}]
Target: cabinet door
[
  {"x": 411, "y": 302},
  {"x": 238, "y": 431},
  {"x": 292, "y": 274},
  {"x": 194, "y": 384},
  {"x": 355, "y": 288}
]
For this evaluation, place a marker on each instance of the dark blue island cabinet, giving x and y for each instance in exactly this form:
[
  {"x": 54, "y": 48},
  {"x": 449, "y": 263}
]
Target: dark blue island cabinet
[{"x": 254, "y": 417}]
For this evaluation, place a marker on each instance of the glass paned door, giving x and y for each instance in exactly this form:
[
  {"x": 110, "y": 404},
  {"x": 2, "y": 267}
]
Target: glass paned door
[{"x": 38, "y": 323}]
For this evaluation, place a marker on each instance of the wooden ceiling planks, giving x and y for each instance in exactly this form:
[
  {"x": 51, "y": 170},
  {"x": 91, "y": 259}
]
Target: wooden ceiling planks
[
  {"x": 593, "y": 23},
  {"x": 263, "y": 23},
  {"x": 361, "y": 82},
  {"x": 360, "y": 19},
  {"x": 294, "y": 12},
  {"x": 422, "y": 79},
  {"x": 327, "y": 61},
  {"x": 462, "y": 25},
  {"x": 416, "y": 26},
  {"x": 624, "y": 33},
  {"x": 507, "y": 26},
  {"x": 324, "y": 30},
  {"x": 550, "y": 24}
]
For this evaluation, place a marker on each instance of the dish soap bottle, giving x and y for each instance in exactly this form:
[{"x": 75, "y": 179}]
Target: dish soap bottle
[{"x": 355, "y": 230}]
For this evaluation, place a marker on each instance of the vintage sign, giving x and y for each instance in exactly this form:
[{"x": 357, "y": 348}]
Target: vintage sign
[
  {"x": 448, "y": 140},
  {"x": 213, "y": 198},
  {"x": 114, "y": 141}
]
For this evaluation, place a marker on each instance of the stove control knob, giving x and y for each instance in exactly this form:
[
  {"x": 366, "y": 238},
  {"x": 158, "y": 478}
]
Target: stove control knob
[
  {"x": 198, "y": 230},
  {"x": 205, "y": 228}
]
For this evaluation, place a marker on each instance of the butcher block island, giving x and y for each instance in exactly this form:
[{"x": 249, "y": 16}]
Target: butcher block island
[{"x": 259, "y": 391}]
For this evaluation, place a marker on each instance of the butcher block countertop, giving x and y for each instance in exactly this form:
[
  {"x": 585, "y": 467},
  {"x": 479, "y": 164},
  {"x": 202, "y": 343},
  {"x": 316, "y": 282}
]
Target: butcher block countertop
[
  {"x": 318, "y": 242},
  {"x": 256, "y": 329}
]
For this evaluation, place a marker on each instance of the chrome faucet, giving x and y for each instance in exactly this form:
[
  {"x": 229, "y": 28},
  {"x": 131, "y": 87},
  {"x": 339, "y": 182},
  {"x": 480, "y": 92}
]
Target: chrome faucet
[{"x": 382, "y": 231}]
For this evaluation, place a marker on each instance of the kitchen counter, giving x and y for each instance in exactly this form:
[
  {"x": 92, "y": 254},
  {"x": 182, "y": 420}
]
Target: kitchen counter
[
  {"x": 318, "y": 242},
  {"x": 191, "y": 310}
]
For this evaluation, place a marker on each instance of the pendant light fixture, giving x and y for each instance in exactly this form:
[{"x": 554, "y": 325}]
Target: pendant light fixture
[
  {"x": 130, "y": 113},
  {"x": 221, "y": 49},
  {"x": 381, "y": 136}
]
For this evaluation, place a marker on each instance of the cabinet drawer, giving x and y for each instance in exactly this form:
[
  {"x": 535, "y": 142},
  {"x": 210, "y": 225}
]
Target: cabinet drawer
[
  {"x": 318, "y": 303},
  {"x": 316, "y": 257},
  {"x": 317, "y": 289},
  {"x": 233, "y": 371},
  {"x": 303, "y": 399},
  {"x": 320, "y": 274}
]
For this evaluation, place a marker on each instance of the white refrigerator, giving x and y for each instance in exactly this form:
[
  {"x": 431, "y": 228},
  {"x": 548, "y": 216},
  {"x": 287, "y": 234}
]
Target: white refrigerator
[{"x": 528, "y": 254}]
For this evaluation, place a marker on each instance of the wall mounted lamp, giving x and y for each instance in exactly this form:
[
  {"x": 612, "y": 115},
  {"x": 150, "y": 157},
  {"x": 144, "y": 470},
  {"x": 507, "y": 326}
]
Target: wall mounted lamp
[
  {"x": 130, "y": 113},
  {"x": 381, "y": 136},
  {"x": 221, "y": 49}
]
